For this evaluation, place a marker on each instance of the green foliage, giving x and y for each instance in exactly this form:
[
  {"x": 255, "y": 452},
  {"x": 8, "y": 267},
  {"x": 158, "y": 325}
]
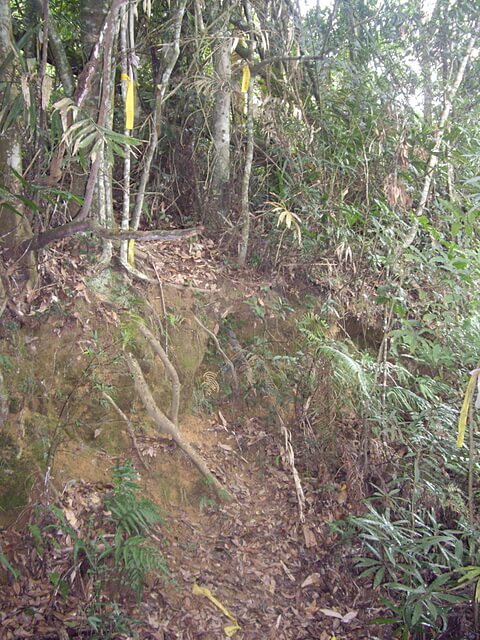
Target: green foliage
[
  {"x": 107, "y": 621},
  {"x": 120, "y": 552},
  {"x": 174, "y": 320},
  {"x": 131, "y": 514},
  {"x": 416, "y": 559},
  {"x": 134, "y": 518},
  {"x": 4, "y": 562},
  {"x": 5, "y": 363}
]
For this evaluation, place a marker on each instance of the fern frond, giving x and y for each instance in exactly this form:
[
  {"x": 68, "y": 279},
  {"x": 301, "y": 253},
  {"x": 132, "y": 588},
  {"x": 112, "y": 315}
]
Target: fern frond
[
  {"x": 134, "y": 515},
  {"x": 406, "y": 400},
  {"x": 138, "y": 559},
  {"x": 349, "y": 370}
]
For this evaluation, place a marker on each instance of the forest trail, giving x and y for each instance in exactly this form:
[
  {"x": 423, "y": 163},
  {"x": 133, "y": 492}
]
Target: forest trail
[
  {"x": 277, "y": 578},
  {"x": 273, "y": 574}
]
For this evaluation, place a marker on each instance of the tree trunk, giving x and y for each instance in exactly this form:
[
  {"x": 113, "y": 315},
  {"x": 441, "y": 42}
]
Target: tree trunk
[
  {"x": 247, "y": 170},
  {"x": 170, "y": 55},
  {"x": 100, "y": 97},
  {"x": 14, "y": 225},
  {"x": 220, "y": 184}
]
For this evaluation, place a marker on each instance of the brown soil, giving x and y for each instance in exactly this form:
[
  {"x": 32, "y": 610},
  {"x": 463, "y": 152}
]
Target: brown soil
[{"x": 278, "y": 578}]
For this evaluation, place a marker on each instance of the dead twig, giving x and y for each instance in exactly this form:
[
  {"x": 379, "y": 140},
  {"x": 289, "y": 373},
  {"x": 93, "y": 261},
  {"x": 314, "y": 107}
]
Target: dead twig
[
  {"x": 130, "y": 428},
  {"x": 164, "y": 309},
  {"x": 229, "y": 363}
]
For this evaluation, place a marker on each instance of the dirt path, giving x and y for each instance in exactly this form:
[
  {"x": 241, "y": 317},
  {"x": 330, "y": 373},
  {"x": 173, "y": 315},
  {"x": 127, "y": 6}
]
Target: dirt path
[
  {"x": 277, "y": 578},
  {"x": 253, "y": 557}
]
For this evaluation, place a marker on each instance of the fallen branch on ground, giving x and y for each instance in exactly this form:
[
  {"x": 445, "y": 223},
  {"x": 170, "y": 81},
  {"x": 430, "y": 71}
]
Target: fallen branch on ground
[{"x": 89, "y": 226}]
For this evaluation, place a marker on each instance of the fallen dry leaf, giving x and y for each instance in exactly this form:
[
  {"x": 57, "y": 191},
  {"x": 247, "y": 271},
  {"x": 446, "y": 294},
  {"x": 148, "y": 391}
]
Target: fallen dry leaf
[
  {"x": 312, "y": 579},
  {"x": 348, "y": 617},
  {"x": 310, "y": 540}
]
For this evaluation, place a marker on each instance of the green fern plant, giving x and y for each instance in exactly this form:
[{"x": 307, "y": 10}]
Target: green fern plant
[
  {"x": 134, "y": 519},
  {"x": 131, "y": 514},
  {"x": 136, "y": 558},
  {"x": 131, "y": 555}
]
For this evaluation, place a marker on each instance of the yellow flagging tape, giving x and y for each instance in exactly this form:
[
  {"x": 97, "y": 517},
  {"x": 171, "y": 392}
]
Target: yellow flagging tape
[
  {"x": 462, "y": 421},
  {"x": 129, "y": 102},
  {"x": 245, "y": 79},
  {"x": 131, "y": 252},
  {"x": 229, "y": 629}
]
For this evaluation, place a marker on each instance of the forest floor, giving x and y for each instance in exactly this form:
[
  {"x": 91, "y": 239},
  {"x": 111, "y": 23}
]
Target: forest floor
[
  {"x": 280, "y": 578},
  {"x": 277, "y": 576}
]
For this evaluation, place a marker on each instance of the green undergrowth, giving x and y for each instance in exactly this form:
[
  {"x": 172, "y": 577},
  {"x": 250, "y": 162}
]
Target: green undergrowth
[{"x": 114, "y": 548}]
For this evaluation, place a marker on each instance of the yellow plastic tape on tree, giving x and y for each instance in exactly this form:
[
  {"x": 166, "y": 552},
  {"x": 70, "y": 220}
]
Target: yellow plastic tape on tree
[
  {"x": 462, "y": 421},
  {"x": 129, "y": 102},
  {"x": 245, "y": 79},
  {"x": 229, "y": 629},
  {"x": 131, "y": 252}
]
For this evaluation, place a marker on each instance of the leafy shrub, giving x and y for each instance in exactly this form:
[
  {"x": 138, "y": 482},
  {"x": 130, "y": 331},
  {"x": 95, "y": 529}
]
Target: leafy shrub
[{"x": 416, "y": 559}]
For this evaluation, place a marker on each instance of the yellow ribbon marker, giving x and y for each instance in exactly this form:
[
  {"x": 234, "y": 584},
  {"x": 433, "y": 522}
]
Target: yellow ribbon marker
[
  {"x": 245, "y": 79},
  {"x": 229, "y": 629},
  {"x": 462, "y": 421},
  {"x": 131, "y": 252},
  {"x": 129, "y": 102}
]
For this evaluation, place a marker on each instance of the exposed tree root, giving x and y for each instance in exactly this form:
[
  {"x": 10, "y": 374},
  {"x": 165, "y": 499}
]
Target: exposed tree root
[
  {"x": 169, "y": 368},
  {"x": 136, "y": 273},
  {"x": 166, "y": 426}
]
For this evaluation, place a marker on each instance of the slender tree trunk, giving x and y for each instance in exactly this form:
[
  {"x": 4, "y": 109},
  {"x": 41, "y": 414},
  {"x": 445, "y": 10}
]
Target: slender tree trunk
[
  {"x": 14, "y": 225},
  {"x": 220, "y": 182},
  {"x": 127, "y": 78},
  {"x": 438, "y": 140},
  {"x": 98, "y": 103},
  {"x": 169, "y": 58},
  {"x": 247, "y": 170},
  {"x": 55, "y": 44}
]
